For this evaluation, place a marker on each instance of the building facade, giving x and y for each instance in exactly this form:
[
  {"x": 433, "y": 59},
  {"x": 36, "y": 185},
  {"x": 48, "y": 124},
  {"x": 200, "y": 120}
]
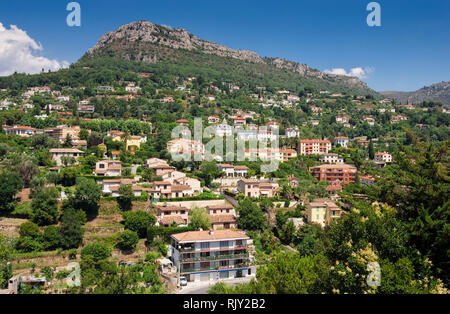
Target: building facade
[
  {"x": 211, "y": 255},
  {"x": 314, "y": 147},
  {"x": 343, "y": 173}
]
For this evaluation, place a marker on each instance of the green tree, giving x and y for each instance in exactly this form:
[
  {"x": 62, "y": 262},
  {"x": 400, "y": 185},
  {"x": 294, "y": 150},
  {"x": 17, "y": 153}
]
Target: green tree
[
  {"x": 45, "y": 206},
  {"x": 125, "y": 198},
  {"x": 71, "y": 227},
  {"x": 29, "y": 229},
  {"x": 251, "y": 216},
  {"x": 51, "y": 238},
  {"x": 67, "y": 142},
  {"x": 371, "y": 151},
  {"x": 87, "y": 196},
  {"x": 127, "y": 240},
  {"x": 138, "y": 221},
  {"x": 5, "y": 267},
  {"x": 199, "y": 219},
  {"x": 97, "y": 251},
  {"x": 10, "y": 184}
]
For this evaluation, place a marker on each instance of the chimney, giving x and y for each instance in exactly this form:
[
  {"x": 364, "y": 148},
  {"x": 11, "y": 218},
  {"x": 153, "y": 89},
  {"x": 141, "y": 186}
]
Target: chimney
[{"x": 211, "y": 232}]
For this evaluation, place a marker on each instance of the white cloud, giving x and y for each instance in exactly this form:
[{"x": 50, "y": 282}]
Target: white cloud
[
  {"x": 19, "y": 53},
  {"x": 358, "y": 72}
]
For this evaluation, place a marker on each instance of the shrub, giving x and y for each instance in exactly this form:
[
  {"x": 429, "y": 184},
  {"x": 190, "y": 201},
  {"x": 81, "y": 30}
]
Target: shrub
[
  {"x": 138, "y": 222},
  {"x": 151, "y": 257},
  {"x": 51, "y": 238},
  {"x": 127, "y": 240},
  {"x": 97, "y": 251},
  {"x": 126, "y": 197},
  {"x": 72, "y": 254},
  {"x": 48, "y": 272},
  {"x": 162, "y": 248},
  {"x": 29, "y": 229}
]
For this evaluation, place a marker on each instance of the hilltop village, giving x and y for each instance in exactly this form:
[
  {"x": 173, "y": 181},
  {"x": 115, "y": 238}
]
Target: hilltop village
[{"x": 88, "y": 175}]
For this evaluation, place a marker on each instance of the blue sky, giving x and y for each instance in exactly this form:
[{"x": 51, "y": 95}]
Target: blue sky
[{"x": 410, "y": 50}]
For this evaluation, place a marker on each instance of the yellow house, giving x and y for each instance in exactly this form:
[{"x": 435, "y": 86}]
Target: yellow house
[
  {"x": 116, "y": 136},
  {"x": 316, "y": 213},
  {"x": 322, "y": 212},
  {"x": 134, "y": 143}
]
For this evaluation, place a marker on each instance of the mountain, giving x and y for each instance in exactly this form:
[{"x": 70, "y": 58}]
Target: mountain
[
  {"x": 150, "y": 43},
  {"x": 436, "y": 92}
]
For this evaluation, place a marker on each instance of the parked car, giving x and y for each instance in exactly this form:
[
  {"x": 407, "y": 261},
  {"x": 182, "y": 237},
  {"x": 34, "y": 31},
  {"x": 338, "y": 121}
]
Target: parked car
[{"x": 183, "y": 281}]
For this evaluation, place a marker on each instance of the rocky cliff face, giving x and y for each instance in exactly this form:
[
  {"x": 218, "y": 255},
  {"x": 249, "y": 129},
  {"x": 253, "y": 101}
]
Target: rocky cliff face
[
  {"x": 147, "y": 42},
  {"x": 436, "y": 92},
  {"x": 146, "y": 32}
]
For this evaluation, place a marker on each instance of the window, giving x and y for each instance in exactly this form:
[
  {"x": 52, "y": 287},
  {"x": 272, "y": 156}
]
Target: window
[
  {"x": 224, "y": 244},
  {"x": 204, "y": 245},
  {"x": 223, "y": 263}
]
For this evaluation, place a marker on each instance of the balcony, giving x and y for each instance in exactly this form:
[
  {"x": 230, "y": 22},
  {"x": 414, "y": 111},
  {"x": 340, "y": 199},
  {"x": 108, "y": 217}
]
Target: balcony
[
  {"x": 214, "y": 258},
  {"x": 190, "y": 250},
  {"x": 200, "y": 269}
]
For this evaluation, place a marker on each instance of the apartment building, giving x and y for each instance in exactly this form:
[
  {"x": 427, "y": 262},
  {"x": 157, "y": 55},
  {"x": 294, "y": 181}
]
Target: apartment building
[
  {"x": 211, "y": 255},
  {"x": 343, "y": 173},
  {"x": 314, "y": 147},
  {"x": 282, "y": 155},
  {"x": 331, "y": 159}
]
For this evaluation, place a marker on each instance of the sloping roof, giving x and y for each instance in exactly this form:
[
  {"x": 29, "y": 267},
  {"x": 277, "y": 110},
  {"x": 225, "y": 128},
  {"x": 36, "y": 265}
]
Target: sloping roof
[
  {"x": 180, "y": 187},
  {"x": 215, "y": 219},
  {"x": 172, "y": 208},
  {"x": 168, "y": 220},
  {"x": 215, "y": 207}
]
